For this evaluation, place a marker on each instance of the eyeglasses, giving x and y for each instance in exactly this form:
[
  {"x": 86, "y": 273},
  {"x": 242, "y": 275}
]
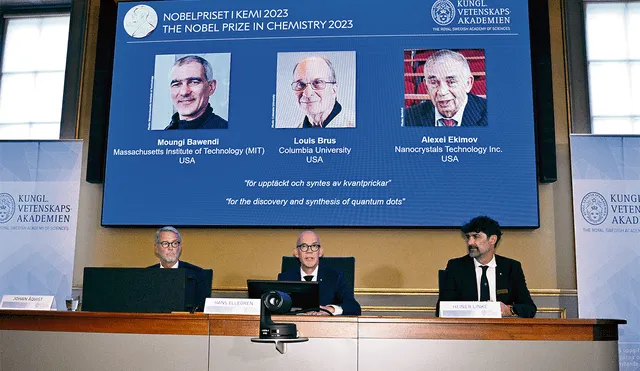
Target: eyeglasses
[
  {"x": 166, "y": 244},
  {"x": 317, "y": 84},
  {"x": 304, "y": 247}
]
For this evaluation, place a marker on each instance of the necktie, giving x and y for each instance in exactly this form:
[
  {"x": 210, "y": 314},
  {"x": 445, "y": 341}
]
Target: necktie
[
  {"x": 449, "y": 122},
  {"x": 308, "y": 278},
  {"x": 484, "y": 284}
]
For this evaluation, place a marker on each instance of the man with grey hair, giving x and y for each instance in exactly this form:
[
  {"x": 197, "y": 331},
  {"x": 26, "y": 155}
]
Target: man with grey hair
[
  {"x": 448, "y": 80},
  {"x": 191, "y": 85},
  {"x": 316, "y": 89},
  {"x": 168, "y": 248}
]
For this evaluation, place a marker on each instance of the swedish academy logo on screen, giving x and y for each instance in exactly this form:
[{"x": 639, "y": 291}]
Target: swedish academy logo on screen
[
  {"x": 594, "y": 208},
  {"x": 443, "y": 12},
  {"x": 7, "y": 207}
]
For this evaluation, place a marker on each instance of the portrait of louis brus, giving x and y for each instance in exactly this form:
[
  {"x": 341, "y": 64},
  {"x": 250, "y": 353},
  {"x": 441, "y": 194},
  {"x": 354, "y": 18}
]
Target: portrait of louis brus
[
  {"x": 316, "y": 90},
  {"x": 190, "y": 91},
  {"x": 445, "y": 88}
]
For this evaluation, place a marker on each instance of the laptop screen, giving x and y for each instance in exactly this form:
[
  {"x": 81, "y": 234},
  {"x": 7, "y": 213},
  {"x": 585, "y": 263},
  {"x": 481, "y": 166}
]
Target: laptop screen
[{"x": 304, "y": 295}]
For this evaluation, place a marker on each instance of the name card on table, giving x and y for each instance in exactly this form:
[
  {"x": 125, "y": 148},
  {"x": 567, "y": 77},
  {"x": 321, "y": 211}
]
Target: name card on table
[
  {"x": 470, "y": 309},
  {"x": 28, "y": 302},
  {"x": 232, "y": 306}
]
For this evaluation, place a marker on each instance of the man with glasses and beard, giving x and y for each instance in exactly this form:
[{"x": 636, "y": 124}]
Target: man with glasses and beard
[
  {"x": 482, "y": 275},
  {"x": 335, "y": 296}
]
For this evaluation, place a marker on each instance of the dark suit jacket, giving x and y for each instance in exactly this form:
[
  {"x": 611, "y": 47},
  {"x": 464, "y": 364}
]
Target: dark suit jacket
[
  {"x": 332, "y": 286},
  {"x": 202, "y": 288},
  {"x": 511, "y": 287},
  {"x": 423, "y": 114}
]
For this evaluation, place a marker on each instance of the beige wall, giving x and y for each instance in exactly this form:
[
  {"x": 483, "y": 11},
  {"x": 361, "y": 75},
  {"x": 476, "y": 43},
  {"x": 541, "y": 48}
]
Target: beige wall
[{"x": 385, "y": 258}]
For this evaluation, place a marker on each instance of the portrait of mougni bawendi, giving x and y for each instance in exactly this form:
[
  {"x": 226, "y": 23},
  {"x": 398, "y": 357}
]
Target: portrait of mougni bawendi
[
  {"x": 445, "y": 88},
  {"x": 316, "y": 90},
  {"x": 191, "y": 91}
]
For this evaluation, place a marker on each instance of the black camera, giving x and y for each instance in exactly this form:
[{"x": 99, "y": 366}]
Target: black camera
[{"x": 277, "y": 302}]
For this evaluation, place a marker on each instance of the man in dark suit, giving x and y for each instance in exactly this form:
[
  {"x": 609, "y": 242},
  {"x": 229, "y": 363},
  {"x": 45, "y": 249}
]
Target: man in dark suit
[
  {"x": 449, "y": 81},
  {"x": 335, "y": 296},
  {"x": 168, "y": 248},
  {"x": 481, "y": 275}
]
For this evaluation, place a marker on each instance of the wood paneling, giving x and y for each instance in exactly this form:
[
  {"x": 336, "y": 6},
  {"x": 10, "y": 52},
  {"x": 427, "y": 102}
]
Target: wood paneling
[
  {"x": 487, "y": 329},
  {"x": 315, "y": 326},
  {"x": 308, "y": 326},
  {"x": 127, "y": 323}
]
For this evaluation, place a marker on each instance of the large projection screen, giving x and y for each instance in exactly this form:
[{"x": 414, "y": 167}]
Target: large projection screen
[{"x": 404, "y": 114}]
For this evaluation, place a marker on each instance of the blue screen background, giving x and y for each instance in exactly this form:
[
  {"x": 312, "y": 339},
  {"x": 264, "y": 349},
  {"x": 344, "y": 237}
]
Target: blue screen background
[{"x": 411, "y": 190}]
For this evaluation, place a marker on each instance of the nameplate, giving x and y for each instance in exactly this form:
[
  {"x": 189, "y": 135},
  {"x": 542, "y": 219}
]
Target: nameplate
[
  {"x": 470, "y": 309},
  {"x": 232, "y": 306},
  {"x": 28, "y": 302}
]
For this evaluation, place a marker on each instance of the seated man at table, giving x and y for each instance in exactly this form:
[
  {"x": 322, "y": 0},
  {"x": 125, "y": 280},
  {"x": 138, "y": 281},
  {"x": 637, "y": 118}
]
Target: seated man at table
[
  {"x": 482, "y": 275},
  {"x": 335, "y": 296},
  {"x": 168, "y": 248}
]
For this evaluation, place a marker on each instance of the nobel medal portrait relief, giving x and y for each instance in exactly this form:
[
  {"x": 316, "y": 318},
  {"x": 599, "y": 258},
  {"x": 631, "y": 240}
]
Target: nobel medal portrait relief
[
  {"x": 445, "y": 88},
  {"x": 190, "y": 91},
  {"x": 140, "y": 21},
  {"x": 316, "y": 90}
]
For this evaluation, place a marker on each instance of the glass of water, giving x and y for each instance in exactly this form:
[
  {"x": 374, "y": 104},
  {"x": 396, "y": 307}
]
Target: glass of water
[{"x": 72, "y": 303}]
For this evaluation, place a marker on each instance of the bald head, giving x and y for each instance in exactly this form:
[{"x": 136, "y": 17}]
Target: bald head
[
  {"x": 309, "y": 260},
  {"x": 306, "y": 236}
]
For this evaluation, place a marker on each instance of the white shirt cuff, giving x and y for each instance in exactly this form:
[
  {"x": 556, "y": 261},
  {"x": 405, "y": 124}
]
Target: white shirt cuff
[{"x": 337, "y": 310}]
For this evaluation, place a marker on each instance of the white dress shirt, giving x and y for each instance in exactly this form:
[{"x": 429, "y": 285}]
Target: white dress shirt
[
  {"x": 174, "y": 266},
  {"x": 314, "y": 274},
  {"x": 337, "y": 310}
]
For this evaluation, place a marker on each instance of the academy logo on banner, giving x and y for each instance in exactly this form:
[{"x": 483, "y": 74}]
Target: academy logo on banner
[
  {"x": 619, "y": 209},
  {"x": 594, "y": 208},
  {"x": 7, "y": 207},
  {"x": 33, "y": 211},
  {"x": 471, "y": 16}
]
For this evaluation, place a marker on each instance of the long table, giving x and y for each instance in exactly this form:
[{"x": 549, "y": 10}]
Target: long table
[{"x": 33, "y": 341}]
